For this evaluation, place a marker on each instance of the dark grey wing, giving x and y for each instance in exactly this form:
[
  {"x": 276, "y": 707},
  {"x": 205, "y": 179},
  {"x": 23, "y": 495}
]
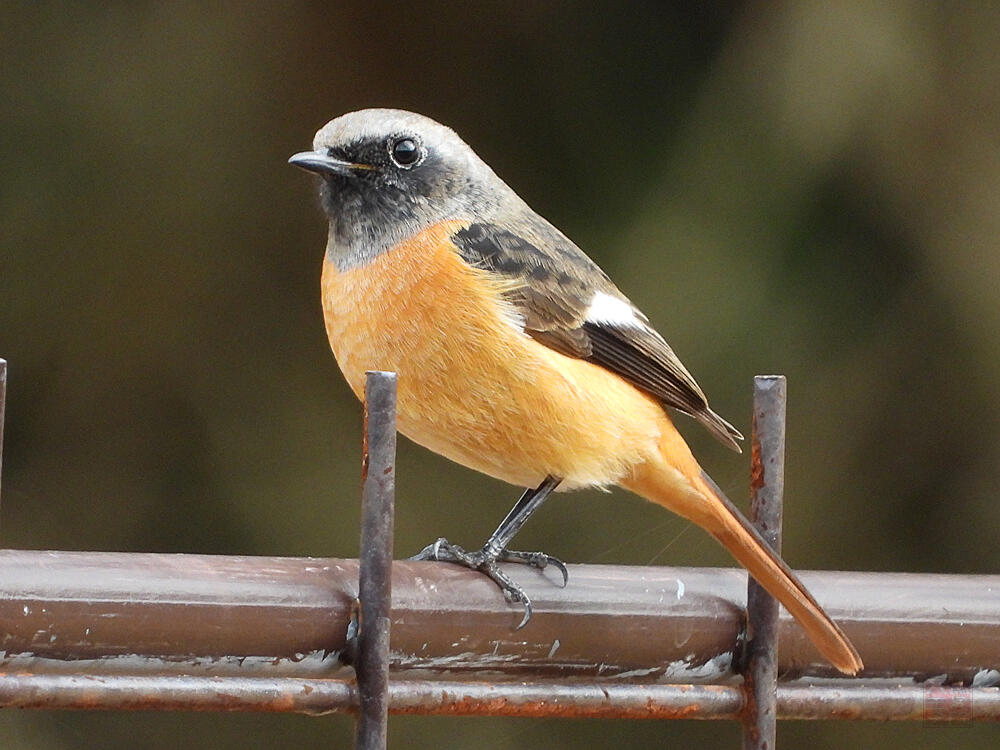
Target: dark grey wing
[{"x": 569, "y": 304}]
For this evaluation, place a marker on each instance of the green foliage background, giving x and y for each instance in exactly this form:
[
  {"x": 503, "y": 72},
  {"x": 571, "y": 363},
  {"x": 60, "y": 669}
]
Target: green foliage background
[{"x": 806, "y": 188}]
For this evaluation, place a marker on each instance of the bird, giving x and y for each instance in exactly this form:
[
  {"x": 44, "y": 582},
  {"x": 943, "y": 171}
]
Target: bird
[{"x": 516, "y": 355}]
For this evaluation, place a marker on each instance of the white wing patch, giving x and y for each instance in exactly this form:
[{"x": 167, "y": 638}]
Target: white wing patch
[
  {"x": 514, "y": 319},
  {"x": 609, "y": 310}
]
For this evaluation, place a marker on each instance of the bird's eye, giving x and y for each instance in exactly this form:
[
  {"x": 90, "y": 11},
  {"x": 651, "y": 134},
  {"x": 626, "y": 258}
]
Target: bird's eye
[{"x": 404, "y": 151}]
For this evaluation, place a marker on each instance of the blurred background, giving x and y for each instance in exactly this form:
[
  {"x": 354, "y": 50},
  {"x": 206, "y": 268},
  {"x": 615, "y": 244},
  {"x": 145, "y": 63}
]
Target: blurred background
[{"x": 804, "y": 188}]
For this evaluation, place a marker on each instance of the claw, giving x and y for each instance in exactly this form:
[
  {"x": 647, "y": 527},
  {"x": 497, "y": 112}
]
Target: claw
[
  {"x": 537, "y": 560},
  {"x": 349, "y": 654},
  {"x": 485, "y": 561},
  {"x": 527, "y": 614},
  {"x": 511, "y": 591},
  {"x": 430, "y": 552},
  {"x": 561, "y": 566}
]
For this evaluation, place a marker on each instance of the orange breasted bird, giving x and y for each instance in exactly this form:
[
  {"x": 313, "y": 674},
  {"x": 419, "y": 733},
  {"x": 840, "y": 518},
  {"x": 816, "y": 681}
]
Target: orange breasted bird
[{"x": 516, "y": 355}]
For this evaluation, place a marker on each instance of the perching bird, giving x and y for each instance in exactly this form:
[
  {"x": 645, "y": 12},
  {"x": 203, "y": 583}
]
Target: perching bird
[{"x": 516, "y": 355}]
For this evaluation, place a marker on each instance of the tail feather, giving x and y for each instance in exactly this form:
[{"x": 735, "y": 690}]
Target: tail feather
[
  {"x": 745, "y": 543},
  {"x": 674, "y": 480}
]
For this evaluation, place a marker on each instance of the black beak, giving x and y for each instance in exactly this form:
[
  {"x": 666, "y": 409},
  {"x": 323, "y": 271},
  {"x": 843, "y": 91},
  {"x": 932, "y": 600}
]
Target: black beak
[{"x": 314, "y": 161}]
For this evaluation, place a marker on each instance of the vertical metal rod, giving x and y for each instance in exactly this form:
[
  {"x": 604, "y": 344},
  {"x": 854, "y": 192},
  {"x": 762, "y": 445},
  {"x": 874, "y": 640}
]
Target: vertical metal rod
[
  {"x": 375, "y": 575},
  {"x": 3, "y": 404},
  {"x": 767, "y": 485}
]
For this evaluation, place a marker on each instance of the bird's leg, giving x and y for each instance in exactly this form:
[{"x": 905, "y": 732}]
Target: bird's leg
[{"x": 495, "y": 550}]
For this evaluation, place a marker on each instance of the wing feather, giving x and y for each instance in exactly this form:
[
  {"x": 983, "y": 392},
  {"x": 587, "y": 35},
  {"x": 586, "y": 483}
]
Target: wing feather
[{"x": 553, "y": 285}]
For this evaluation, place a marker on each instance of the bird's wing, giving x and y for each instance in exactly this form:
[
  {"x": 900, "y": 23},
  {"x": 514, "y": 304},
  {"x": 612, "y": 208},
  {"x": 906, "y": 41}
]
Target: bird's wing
[{"x": 569, "y": 304}]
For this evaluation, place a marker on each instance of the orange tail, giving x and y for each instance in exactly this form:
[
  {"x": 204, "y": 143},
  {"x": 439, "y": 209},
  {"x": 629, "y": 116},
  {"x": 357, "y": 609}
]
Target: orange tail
[{"x": 688, "y": 494}]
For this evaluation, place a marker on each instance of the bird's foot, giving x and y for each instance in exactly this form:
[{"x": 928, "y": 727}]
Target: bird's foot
[{"x": 486, "y": 561}]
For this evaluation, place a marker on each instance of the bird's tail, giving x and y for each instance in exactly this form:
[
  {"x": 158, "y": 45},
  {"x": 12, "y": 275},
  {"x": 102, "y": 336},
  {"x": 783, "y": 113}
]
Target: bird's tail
[
  {"x": 745, "y": 543},
  {"x": 689, "y": 492}
]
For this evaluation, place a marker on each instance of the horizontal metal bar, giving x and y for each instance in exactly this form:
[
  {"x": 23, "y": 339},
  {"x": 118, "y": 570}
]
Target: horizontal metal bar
[
  {"x": 553, "y": 699},
  {"x": 260, "y": 616}
]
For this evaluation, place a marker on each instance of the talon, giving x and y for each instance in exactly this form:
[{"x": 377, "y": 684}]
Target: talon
[
  {"x": 354, "y": 624},
  {"x": 527, "y": 614},
  {"x": 485, "y": 561},
  {"x": 427, "y": 553},
  {"x": 537, "y": 560},
  {"x": 562, "y": 569},
  {"x": 349, "y": 654},
  {"x": 443, "y": 551}
]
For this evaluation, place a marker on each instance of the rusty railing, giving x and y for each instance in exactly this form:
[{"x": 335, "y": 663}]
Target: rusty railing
[{"x": 200, "y": 632}]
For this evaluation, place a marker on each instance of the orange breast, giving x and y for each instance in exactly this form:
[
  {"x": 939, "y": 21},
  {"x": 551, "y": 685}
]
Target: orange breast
[{"x": 471, "y": 386}]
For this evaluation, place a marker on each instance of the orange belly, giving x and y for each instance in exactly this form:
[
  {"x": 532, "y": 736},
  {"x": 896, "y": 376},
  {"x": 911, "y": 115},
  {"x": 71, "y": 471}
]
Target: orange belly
[{"x": 471, "y": 386}]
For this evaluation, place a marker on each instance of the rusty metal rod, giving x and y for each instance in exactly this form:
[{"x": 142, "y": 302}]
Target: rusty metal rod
[
  {"x": 538, "y": 699},
  {"x": 375, "y": 574},
  {"x": 767, "y": 485},
  {"x": 671, "y": 624},
  {"x": 3, "y": 408}
]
